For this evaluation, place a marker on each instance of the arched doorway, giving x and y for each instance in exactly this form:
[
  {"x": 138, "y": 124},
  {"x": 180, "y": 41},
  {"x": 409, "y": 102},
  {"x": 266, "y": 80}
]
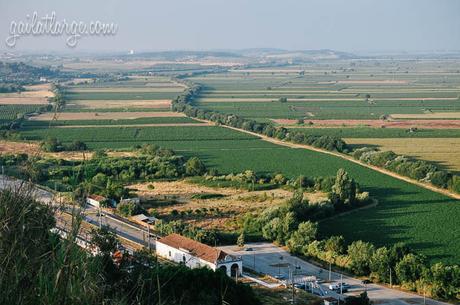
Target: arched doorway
[
  {"x": 223, "y": 269},
  {"x": 234, "y": 270}
]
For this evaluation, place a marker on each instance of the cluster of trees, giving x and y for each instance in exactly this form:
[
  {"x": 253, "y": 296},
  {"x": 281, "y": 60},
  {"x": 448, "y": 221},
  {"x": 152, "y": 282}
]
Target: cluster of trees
[
  {"x": 9, "y": 87},
  {"x": 54, "y": 145},
  {"x": 40, "y": 268},
  {"x": 397, "y": 264},
  {"x": 205, "y": 236},
  {"x": 290, "y": 223},
  {"x": 58, "y": 99},
  {"x": 23, "y": 74},
  {"x": 102, "y": 174},
  {"x": 184, "y": 103},
  {"x": 415, "y": 169}
]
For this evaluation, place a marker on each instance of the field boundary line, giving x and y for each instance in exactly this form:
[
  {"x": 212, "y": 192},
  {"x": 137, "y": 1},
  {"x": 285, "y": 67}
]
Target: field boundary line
[{"x": 345, "y": 157}]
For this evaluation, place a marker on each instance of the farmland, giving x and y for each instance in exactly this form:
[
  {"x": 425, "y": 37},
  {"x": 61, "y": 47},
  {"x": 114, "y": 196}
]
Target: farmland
[
  {"x": 405, "y": 212},
  {"x": 133, "y": 93},
  {"x": 12, "y": 112}
]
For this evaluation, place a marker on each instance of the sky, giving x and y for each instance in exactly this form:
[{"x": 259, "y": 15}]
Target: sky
[{"x": 343, "y": 25}]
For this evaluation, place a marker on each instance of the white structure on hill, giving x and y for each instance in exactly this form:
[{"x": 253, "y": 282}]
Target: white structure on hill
[{"x": 194, "y": 254}]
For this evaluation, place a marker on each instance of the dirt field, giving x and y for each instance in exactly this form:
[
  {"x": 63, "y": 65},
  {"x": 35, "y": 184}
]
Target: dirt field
[
  {"x": 445, "y": 151},
  {"x": 164, "y": 88},
  {"x": 374, "y": 82},
  {"x": 234, "y": 203},
  {"x": 92, "y": 104},
  {"x": 429, "y": 124},
  {"x": 9, "y": 147},
  {"x": 34, "y": 95},
  {"x": 69, "y": 116},
  {"x": 437, "y": 115}
]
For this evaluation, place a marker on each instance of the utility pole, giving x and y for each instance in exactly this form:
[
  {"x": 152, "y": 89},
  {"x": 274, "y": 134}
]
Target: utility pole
[
  {"x": 100, "y": 220},
  {"x": 158, "y": 282},
  {"x": 148, "y": 237},
  {"x": 254, "y": 265},
  {"x": 391, "y": 283},
  {"x": 330, "y": 270},
  {"x": 341, "y": 282}
]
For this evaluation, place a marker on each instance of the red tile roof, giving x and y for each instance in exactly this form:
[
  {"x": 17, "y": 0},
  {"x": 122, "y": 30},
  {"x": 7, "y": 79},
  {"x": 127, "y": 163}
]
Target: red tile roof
[{"x": 197, "y": 249}]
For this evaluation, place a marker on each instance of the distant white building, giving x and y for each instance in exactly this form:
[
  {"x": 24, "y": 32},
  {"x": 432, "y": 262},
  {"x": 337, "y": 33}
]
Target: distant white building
[
  {"x": 144, "y": 219},
  {"x": 134, "y": 200},
  {"x": 194, "y": 254}
]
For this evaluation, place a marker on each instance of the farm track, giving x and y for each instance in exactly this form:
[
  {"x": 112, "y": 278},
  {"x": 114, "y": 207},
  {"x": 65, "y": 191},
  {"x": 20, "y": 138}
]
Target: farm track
[{"x": 348, "y": 158}]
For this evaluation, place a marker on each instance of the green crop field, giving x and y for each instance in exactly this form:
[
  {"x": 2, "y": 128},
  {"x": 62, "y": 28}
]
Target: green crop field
[
  {"x": 12, "y": 112},
  {"x": 135, "y": 134},
  {"x": 405, "y": 212},
  {"x": 333, "y": 91},
  {"x": 154, "y": 120}
]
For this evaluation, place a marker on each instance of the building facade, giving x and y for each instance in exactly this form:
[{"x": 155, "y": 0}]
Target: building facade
[{"x": 194, "y": 254}]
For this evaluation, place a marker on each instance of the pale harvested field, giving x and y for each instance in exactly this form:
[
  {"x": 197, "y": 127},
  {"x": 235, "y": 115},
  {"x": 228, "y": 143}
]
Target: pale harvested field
[
  {"x": 69, "y": 116},
  {"x": 429, "y": 124},
  {"x": 35, "y": 95},
  {"x": 235, "y": 203},
  {"x": 374, "y": 82},
  {"x": 437, "y": 115},
  {"x": 445, "y": 151},
  {"x": 167, "y": 88},
  {"x": 92, "y": 104}
]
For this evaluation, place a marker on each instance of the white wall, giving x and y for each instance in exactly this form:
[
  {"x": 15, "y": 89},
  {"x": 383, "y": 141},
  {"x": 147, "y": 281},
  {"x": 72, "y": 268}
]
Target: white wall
[
  {"x": 191, "y": 261},
  {"x": 92, "y": 202},
  {"x": 178, "y": 255}
]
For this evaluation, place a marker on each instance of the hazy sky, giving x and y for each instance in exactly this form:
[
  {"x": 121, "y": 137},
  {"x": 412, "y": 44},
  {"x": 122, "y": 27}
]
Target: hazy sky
[{"x": 348, "y": 25}]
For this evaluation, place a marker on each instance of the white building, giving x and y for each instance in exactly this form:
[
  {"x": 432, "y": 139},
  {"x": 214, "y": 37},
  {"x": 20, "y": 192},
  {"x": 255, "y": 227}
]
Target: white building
[
  {"x": 194, "y": 254},
  {"x": 95, "y": 200}
]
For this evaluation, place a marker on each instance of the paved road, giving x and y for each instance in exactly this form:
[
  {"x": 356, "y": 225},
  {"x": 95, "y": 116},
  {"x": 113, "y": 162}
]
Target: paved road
[
  {"x": 266, "y": 258},
  {"x": 90, "y": 214}
]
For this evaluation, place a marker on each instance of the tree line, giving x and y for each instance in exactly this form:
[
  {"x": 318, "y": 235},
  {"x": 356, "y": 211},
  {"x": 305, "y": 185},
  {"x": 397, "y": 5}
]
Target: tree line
[
  {"x": 416, "y": 169},
  {"x": 184, "y": 103}
]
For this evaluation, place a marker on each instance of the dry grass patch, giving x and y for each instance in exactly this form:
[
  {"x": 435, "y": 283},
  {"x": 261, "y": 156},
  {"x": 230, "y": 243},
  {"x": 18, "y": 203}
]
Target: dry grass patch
[
  {"x": 221, "y": 212},
  {"x": 444, "y": 151},
  {"x": 34, "y": 95},
  {"x": 33, "y": 148},
  {"x": 93, "y": 104}
]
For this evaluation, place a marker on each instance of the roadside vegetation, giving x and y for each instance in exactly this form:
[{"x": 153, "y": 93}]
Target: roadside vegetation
[{"x": 38, "y": 267}]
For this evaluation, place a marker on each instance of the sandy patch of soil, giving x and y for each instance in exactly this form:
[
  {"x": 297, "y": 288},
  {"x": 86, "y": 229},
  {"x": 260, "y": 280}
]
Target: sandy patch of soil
[
  {"x": 374, "y": 82},
  {"x": 34, "y": 95},
  {"x": 91, "y": 104}
]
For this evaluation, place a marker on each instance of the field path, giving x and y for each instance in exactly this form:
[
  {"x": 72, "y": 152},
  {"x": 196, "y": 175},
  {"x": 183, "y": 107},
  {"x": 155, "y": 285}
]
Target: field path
[{"x": 348, "y": 158}]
